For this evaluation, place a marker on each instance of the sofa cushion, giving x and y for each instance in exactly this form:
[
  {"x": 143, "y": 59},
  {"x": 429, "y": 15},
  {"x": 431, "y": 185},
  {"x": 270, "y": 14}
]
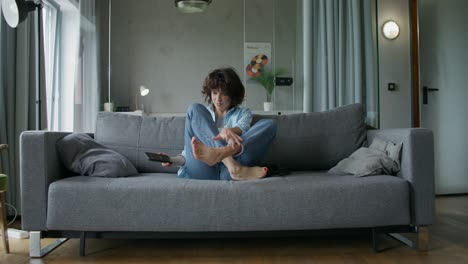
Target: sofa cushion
[
  {"x": 82, "y": 155},
  {"x": 391, "y": 149},
  {"x": 382, "y": 157},
  {"x": 132, "y": 136},
  {"x": 366, "y": 162},
  {"x": 306, "y": 141},
  {"x": 162, "y": 202},
  {"x": 317, "y": 141}
]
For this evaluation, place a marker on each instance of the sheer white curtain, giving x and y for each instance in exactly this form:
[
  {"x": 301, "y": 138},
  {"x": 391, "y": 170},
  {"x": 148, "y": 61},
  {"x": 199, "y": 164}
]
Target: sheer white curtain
[
  {"x": 86, "y": 75},
  {"x": 341, "y": 52},
  {"x": 52, "y": 31},
  {"x": 71, "y": 56}
]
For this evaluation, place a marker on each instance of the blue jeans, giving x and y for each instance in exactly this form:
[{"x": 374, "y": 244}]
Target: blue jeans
[{"x": 199, "y": 123}]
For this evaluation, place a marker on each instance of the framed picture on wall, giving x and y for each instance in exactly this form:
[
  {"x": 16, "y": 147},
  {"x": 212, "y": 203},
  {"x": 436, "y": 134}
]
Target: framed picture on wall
[{"x": 257, "y": 56}]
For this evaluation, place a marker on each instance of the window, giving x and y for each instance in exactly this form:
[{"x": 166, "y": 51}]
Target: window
[
  {"x": 51, "y": 28},
  {"x": 61, "y": 26}
]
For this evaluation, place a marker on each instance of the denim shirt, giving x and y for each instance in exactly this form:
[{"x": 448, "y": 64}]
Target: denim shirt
[
  {"x": 237, "y": 116},
  {"x": 240, "y": 117}
]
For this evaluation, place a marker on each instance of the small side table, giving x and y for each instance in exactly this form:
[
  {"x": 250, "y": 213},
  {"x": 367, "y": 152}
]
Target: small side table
[{"x": 3, "y": 220}]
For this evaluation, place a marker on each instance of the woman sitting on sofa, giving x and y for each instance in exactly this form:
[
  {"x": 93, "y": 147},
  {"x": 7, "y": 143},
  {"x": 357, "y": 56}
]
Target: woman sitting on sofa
[{"x": 220, "y": 144}]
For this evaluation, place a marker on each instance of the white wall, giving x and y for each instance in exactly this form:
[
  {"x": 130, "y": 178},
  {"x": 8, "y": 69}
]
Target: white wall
[
  {"x": 171, "y": 53},
  {"x": 154, "y": 45},
  {"x": 395, "y": 65}
]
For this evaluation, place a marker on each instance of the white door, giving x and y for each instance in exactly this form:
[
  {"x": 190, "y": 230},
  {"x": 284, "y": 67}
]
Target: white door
[{"x": 443, "y": 41}]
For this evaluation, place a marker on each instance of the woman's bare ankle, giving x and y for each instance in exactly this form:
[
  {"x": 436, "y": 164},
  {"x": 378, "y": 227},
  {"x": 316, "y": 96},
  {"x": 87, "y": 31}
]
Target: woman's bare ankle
[
  {"x": 212, "y": 156},
  {"x": 242, "y": 173}
]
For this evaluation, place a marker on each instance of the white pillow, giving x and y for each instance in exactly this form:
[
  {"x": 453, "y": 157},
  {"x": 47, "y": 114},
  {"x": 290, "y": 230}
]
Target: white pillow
[
  {"x": 382, "y": 157},
  {"x": 366, "y": 162},
  {"x": 392, "y": 150}
]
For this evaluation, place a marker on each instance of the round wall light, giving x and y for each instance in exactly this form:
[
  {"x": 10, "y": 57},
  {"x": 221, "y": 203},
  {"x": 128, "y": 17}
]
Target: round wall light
[
  {"x": 192, "y": 6},
  {"x": 390, "y": 29}
]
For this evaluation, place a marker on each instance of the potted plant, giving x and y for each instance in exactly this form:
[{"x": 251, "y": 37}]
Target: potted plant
[
  {"x": 266, "y": 78},
  {"x": 109, "y": 106}
]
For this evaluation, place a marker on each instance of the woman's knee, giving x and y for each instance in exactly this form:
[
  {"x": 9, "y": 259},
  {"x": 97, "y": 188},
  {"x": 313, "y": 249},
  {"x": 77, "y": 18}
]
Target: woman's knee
[
  {"x": 268, "y": 124},
  {"x": 196, "y": 108}
]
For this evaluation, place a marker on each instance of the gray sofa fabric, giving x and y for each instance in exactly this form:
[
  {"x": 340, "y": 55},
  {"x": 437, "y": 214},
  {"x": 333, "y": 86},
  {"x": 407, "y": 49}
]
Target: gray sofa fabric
[
  {"x": 162, "y": 202},
  {"x": 156, "y": 200},
  {"x": 132, "y": 136},
  {"x": 39, "y": 167},
  {"x": 327, "y": 137},
  {"x": 317, "y": 141},
  {"x": 417, "y": 167}
]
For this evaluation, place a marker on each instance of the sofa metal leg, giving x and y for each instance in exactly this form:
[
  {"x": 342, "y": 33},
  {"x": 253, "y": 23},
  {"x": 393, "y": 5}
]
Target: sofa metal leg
[
  {"x": 375, "y": 240},
  {"x": 82, "y": 244},
  {"x": 423, "y": 238},
  {"x": 35, "y": 249},
  {"x": 419, "y": 240}
]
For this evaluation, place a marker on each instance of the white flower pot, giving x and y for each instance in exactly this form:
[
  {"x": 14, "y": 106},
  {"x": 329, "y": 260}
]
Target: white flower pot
[
  {"x": 268, "y": 106},
  {"x": 108, "y": 107}
]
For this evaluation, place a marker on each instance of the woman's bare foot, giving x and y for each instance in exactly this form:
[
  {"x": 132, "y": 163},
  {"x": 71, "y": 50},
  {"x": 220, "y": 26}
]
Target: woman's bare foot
[
  {"x": 212, "y": 156},
  {"x": 242, "y": 173}
]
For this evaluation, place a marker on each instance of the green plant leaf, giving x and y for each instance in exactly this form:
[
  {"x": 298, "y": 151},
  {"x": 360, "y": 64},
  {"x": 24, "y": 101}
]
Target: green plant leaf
[{"x": 267, "y": 79}]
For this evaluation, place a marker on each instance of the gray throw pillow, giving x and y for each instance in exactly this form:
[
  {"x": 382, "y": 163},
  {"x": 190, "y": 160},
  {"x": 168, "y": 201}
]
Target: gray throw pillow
[
  {"x": 366, "y": 162},
  {"x": 82, "y": 155},
  {"x": 392, "y": 150}
]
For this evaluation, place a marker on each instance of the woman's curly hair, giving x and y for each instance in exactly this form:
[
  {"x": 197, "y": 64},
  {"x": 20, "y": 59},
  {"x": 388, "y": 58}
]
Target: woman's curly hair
[{"x": 228, "y": 82}]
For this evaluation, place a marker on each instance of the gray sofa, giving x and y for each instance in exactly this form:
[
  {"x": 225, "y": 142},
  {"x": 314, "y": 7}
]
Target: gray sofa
[{"x": 155, "y": 203}]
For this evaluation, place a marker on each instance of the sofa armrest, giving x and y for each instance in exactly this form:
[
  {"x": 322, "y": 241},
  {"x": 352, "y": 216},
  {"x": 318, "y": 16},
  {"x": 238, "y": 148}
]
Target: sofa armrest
[
  {"x": 417, "y": 167},
  {"x": 39, "y": 166}
]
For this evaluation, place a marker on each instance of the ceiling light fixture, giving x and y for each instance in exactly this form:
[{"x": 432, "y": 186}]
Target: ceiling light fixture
[{"x": 191, "y": 6}]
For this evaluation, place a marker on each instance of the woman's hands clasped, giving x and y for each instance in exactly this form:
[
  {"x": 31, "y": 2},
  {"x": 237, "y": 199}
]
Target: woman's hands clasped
[{"x": 230, "y": 135}]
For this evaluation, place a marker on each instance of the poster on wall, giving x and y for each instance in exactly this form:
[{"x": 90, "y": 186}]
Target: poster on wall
[{"x": 257, "y": 56}]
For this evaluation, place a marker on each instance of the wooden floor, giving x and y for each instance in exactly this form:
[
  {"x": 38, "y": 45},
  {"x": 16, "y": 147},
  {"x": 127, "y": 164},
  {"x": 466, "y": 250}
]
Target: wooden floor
[{"x": 448, "y": 244}]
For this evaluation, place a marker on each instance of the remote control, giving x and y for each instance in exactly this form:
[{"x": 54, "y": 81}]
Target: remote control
[{"x": 158, "y": 157}]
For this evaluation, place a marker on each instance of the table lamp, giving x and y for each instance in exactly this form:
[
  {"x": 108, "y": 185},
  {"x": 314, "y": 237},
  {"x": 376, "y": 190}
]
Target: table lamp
[{"x": 143, "y": 92}]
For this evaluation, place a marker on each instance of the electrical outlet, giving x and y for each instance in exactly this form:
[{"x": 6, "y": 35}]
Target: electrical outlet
[{"x": 16, "y": 233}]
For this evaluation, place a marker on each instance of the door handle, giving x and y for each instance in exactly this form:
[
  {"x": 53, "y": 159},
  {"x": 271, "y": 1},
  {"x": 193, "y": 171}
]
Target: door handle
[{"x": 425, "y": 91}]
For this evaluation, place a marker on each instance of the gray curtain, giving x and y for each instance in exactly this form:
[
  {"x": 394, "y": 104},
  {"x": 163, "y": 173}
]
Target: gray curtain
[
  {"x": 341, "y": 52},
  {"x": 7, "y": 107},
  {"x": 17, "y": 96}
]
